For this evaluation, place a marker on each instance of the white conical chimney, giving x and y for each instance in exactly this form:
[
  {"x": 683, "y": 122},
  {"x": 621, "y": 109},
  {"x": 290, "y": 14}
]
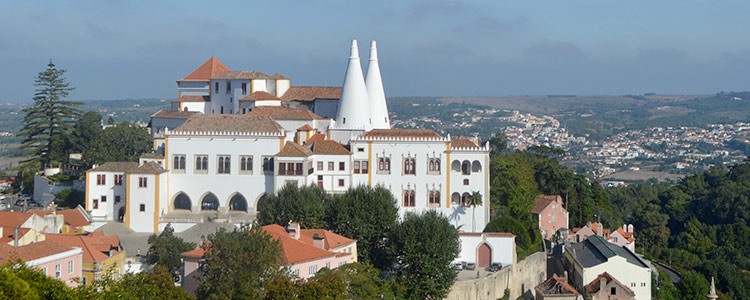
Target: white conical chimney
[
  {"x": 376, "y": 93},
  {"x": 354, "y": 107}
]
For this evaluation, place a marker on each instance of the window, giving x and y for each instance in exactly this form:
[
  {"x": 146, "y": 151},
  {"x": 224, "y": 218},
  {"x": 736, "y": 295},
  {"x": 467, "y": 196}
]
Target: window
[
  {"x": 101, "y": 179},
  {"x": 466, "y": 182},
  {"x": 342, "y": 166},
  {"x": 360, "y": 149},
  {"x": 434, "y": 198},
  {"x": 299, "y": 169},
  {"x": 96, "y": 203},
  {"x": 356, "y": 167},
  {"x": 201, "y": 164},
  {"x": 216, "y": 87},
  {"x": 433, "y": 166},
  {"x": 143, "y": 207},
  {"x": 384, "y": 165},
  {"x": 409, "y": 166},
  {"x": 632, "y": 284},
  {"x": 313, "y": 269},
  {"x": 244, "y": 88},
  {"x": 341, "y": 182},
  {"x": 142, "y": 182},
  {"x": 178, "y": 162},
  {"x": 330, "y": 166},
  {"x": 117, "y": 199},
  {"x": 364, "y": 167},
  {"x": 554, "y": 219},
  {"x": 70, "y": 267},
  {"x": 643, "y": 284},
  {"x": 613, "y": 291},
  {"x": 224, "y": 166},
  {"x": 282, "y": 168},
  {"x": 58, "y": 270},
  {"x": 246, "y": 164},
  {"x": 409, "y": 198},
  {"x": 104, "y": 198},
  {"x": 229, "y": 86},
  {"x": 328, "y": 264},
  {"x": 118, "y": 179},
  {"x": 320, "y": 166},
  {"x": 268, "y": 165}
]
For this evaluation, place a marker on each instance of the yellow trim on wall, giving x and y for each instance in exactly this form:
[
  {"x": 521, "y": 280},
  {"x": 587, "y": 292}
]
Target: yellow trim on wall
[
  {"x": 166, "y": 152},
  {"x": 88, "y": 192},
  {"x": 127, "y": 200},
  {"x": 448, "y": 175},
  {"x": 156, "y": 203},
  {"x": 369, "y": 163},
  {"x": 281, "y": 143}
]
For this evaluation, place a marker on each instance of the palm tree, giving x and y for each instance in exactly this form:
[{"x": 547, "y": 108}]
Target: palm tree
[{"x": 474, "y": 200}]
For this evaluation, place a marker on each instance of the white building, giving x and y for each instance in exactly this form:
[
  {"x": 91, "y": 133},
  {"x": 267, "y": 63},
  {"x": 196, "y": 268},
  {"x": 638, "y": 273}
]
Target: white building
[
  {"x": 486, "y": 248},
  {"x": 586, "y": 260},
  {"x": 222, "y": 161}
]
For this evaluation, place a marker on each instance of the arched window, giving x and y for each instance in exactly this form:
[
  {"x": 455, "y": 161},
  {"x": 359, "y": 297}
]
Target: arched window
[
  {"x": 455, "y": 198},
  {"x": 238, "y": 203},
  {"x": 409, "y": 198},
  {"x": 456, "y": 166},
  {"x": 182, "y": 201},
  {"x": 476, "y": 166},
  {"x": 409, "y": 166},
  {"x": 434, "y": 198},
  {"x": 465, "y": 199},
  {"x": 466, "y": 168},
  {"x": 210, "y": 202}
]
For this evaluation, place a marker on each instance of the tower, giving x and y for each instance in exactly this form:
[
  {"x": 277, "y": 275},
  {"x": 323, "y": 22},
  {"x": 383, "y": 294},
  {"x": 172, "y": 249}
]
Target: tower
[
  {"x": 712, "y": 291},
  {"x": 376, "y": 93},
  {"x": 354, "y": 108}
]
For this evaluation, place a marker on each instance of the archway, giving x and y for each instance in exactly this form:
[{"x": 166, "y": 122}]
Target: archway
[
  {"x": 466, "y": 168},
  {"x": 210, "y": 202},
  {"x": 182, "y": 201},
  {"x": 476, "y": 166},
  {"x": 456, "y": 166},
  {"x": 465, "y": 199},
  {"x": 484, "y": 256},
  {"x": 238, "y": 203},
  {"x": 259, "y": 202},
  {"x": 121, "y": 214},
  {"x": 456, "y": 198}
]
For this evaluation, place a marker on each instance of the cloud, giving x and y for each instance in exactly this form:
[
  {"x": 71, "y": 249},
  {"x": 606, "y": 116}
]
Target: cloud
[{"x": 554, "y": 50}]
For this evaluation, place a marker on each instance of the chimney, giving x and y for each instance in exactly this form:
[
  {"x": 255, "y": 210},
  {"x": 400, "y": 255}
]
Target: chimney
[
  {"x": 319, "y": 241},
  {"x": 602, "y": 284},
  {"x": 565, "y": 276},
  {"x": 293, "y": 230},
  {"x": 15, "y": 236},
  {"x": 375, "y": 91},
  {"x": 631, "y": 229}
]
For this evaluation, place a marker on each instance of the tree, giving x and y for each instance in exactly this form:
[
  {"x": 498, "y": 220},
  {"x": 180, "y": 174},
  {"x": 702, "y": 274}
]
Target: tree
[
  {"x": 86, "y": 129},
  {"x": 110, "y": 120},
  {"x": 425, "y": 246},
  {"x": 367, "y": 215},
  {"x": 693, "y": 286},
  {"x": 305, "y": 205},
  {"x": 47, "y": 123},
  {"x": 512, "y": 185},
  {"x": 238, "y": 264},
  {"x": 498, "y": 143},
  {"x": 474, "y": 200},
  {"x": 165, "y": 249},
  {"x": 124, "y": 142},
  {"x": 153, "y": 284}
]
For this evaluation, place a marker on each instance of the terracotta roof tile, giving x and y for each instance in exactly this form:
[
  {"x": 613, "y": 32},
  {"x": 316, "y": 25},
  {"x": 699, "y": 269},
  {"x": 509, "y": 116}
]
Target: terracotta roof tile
[
  {"x": 491, "y": 234},
  {"x": 212, "y": 67},
  {"x": 332, "y": 240},
  {"x": 9, "y": 234},
  {"x": 556, "y": 285},
  {"x": 316, "y": 137},
  {"x": 284, "y": 113},
  {"x": 73, "y": 217},
  {"x": 542, "y": 201},
  {"x": 197, "y": 252},
  {"x": 593, "y": 286},
  {"x": 116, "y": 166},
  {"x": 294, "y": 150},
  {"x": 230, "y": 123},
  {"x": 328, "y": 147},
  {"x": 173, "y": 114},
  {"x": 260, "y": 96},
  {"x": 402, "y": 132},
  {"x": 13, "y": 218},
  {"x": 192, "y": 98},
  {"x": 627, "y": 235},
  {"x": 32, "y": 251},
  {"x": 295, "y": 251},
  {"x": 95, "y": 245},
  {"x": 248, "y": 75},
  {"x": 152, "y": 156},
  {"x": 305, "y": 127},
  {"x": 310, "y": 93},
  {"x": 463, "y": 142},
  {"x": 148, "y": 168}
]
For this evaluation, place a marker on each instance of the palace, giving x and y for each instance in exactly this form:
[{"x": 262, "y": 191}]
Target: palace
[{"x": 233, "y": 137}]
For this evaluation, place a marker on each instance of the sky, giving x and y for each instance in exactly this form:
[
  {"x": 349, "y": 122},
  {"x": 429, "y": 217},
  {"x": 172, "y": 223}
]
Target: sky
[{"x": 120, "y": 49}]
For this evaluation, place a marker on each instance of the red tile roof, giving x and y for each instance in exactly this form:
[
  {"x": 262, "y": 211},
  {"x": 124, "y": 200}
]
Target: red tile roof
[
  {"x": 593, "y": 286},
  {"x": 73, "y": 217},
  {"x": 13, "y": 218},
  {"x": 209, "y": 69},
  {"x": 9, "y": 232},
  {"x": 295, "y": 251},
  {"x": 332, "y": 240},
  {"x": 627, "y": 235},
  {"x": 229, "y": 123},
  {"x": 284, "y": 113},
  {"x": 173, "y": 114},
  {"x": 315, "y": 138},
  {"x": 556, "y": 285},
  {"x": 463, "y": 142},
  {"x": 294, "y": 150},
  {"x": 260, "y": 96},
  {"x": 95, "y": 245},
  {"x": 116, "y": 166},
  {"x": 305, "y": 127},
  {"x": 192, "y": 98},
  {"x": 247, "y": 75},
  {"x": 310, "y": 93},
  {"x": 402, "y": 132},
  {"x": 542, "y": 201},
  {"x": 31, "y": 251},
  {"x": 148, "y": 168},
  {"x": 197, "y": 252},
  {"x": 328, "y": 147}
]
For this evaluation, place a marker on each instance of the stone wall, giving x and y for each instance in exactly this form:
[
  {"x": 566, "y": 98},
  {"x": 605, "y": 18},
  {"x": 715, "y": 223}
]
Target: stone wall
[{"x": 521, "y": 278}]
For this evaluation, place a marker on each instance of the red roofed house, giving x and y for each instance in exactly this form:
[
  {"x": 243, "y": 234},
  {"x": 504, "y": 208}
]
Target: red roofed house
[
  {"x": 550, "y": 213},
  {"x": 556, "y": 288},
  {"x": 304, "y": 251},
  {"x": 75, "y": 219},
  {"x": 606, "y": 287},
  {"x": 103, "y": 256},
  {"x": 55, "y": 260},
  {"x": 621, "y": 237},
  {"x": 47, "y": 224}
]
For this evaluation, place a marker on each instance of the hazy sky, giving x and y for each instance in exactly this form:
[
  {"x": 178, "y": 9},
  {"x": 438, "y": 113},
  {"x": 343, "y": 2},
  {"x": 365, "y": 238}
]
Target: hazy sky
[{"x": 137, "y": 49}]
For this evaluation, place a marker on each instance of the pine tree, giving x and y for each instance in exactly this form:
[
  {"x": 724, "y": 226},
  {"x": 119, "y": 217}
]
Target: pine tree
[{"x": 48, "y": 123}]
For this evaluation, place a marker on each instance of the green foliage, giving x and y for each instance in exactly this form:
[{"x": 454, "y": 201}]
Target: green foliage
[
  {"x": 238, "y": 264},
  {"x": 425, "y": 245},
  {"x": 662, "y": 288},
  {"x": 154, "y": 284},
  {"x": 693, "y": 286},
  {"x": 305, "y": 205},
  {"x": 88, "y": 126},
  {"x": 498, "y": 143},
  {"x": 367, "y": 215},
  {"x": 506, "y": 295},
  {"x": 70, "y": 198},
  {"x": 124, "y": 142},
  {"x": 351, "y": 281},
  {"x": 528, "y": 238},
  {"x": 165, "y": 249},
  {"x": 48, "y": 123},
  {"x": 512, "y": 186}
]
